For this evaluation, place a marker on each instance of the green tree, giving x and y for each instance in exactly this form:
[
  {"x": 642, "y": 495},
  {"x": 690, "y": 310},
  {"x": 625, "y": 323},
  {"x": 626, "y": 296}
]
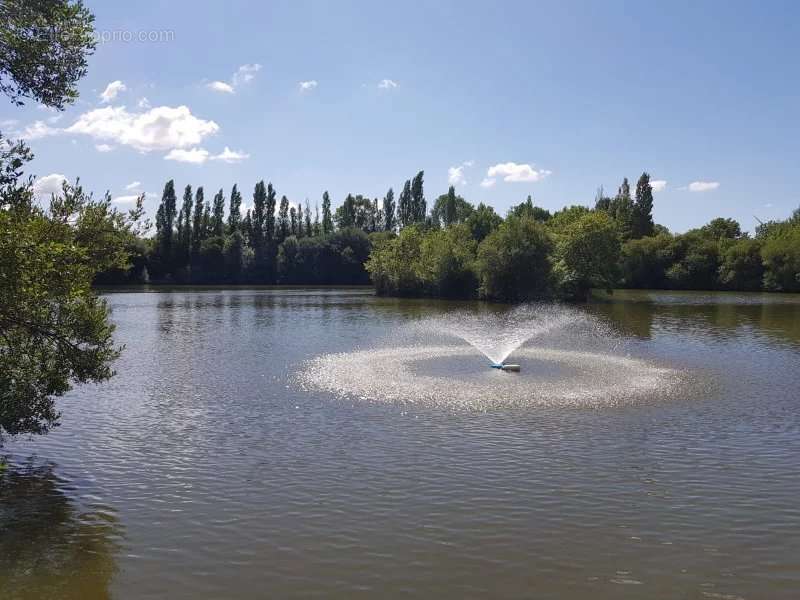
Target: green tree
[
  {"x": 741, "y": 266},
  {"x": 696, "y": 262},
  {"x": 450, "y": 209},
  {"x": 258, "y": 217},
  {"x": 54, "y": 331},
  {"x": 644, "y": 262},
  {"x": 198, "y": 228},
  {"x": 218, "y": 215},
  {"x": 235, "y": 210},
  {"x": 587, "y": 255},
  {"x": 309, "y": 231},
  {"x": 446, "y": 265},
  {"x": 269, "y": 217},
  {"x": 622, "y": 210},
  {"x": 356, "y": 211},
  {"x": 327, "y": 218},
  {"x": 527, "y": 209},
  {"x": 483, "y": 221},
  {"x": 563, "y": 218},
  {"x": 405, "y": 209},
  {"x": 642, "y": 222},
  {"x": 389, "y": 223},
  {"x": 44, "y": 45},
  {"x": 722, "y": 229},
  {"x": 185, "y": 221},
  {"x": 293, "y": 221},
  {"x": 419, "y": 208},
  {"x": 513, "y": 262},
  {"x": 781, "y": 257},
  {"x": 165, "y": 222},
  {"x": 283, "y": 219},
  {"x": 393, "y": 266}
]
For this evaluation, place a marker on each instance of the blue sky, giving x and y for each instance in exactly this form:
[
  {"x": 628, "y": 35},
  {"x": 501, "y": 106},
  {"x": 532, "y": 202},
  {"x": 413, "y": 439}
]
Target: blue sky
[{"x": 549, "y": 99}]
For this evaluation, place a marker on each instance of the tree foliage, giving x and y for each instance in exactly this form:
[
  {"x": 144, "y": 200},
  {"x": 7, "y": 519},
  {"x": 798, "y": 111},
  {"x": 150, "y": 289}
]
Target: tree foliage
[
  {"x": 54, "y": 332},
  {"x": 44, "y": 45}
]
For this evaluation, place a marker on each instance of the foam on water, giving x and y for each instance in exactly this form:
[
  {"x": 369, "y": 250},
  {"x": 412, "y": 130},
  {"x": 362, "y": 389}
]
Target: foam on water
[{"x": 563, "y": 373}]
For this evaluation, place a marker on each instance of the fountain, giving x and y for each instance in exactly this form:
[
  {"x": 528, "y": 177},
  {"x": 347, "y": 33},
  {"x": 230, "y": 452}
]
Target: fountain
[{"x": 569, "y": 359}]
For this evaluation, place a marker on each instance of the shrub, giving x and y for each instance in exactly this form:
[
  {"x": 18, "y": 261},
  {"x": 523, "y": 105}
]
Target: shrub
[
  {"x": 513, "y": 261},
  {"x": 587, "y": 254}
]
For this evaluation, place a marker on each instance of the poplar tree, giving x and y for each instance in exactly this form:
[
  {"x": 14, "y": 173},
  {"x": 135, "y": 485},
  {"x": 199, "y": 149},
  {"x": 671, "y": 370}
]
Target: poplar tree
[
  {"x": 643, "y": 208},
  {"x": 197, "y": 222},
  {"x": 405, "y": 213},
  {"x": 218, "y": 216},
  {"x": 327, "y": 217},
  {"x": 450, "y": 207},
  {"x": 420, "y": 208},
  {"x": 235, "y": 210},
  {"x": 258, "y": 217},
  {"x": 269, "y": 216},
  {"x": 165, "y": 221},
  {"x": 206, "y": 221},
  {"x": 185, "y": 239},
  {"x": 388, "y": 211},
  {"x": 293, "y": 220},
  {"x": 283, "y": 219},
  {"x": 309, "y": 231},
  {"x": 621, "y": 209},
  {"x": 299, "y": 220}
]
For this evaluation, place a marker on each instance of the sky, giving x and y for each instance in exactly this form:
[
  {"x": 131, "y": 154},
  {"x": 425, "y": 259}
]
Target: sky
[{"x": 500, "y": 99}]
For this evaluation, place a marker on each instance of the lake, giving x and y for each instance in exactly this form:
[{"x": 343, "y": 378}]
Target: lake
[{"x": 223, "y": 462}]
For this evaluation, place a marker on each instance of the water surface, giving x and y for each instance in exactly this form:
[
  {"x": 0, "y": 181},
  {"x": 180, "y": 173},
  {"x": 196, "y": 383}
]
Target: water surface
[{"x": 203, "y": 470}]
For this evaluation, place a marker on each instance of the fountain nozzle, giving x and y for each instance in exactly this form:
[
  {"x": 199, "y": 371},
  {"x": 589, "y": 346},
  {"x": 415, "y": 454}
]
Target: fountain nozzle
[{"x": 505, "y": 367}]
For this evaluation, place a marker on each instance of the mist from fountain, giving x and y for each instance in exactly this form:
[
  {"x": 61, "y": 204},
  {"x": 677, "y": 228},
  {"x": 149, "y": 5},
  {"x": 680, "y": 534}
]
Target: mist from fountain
[
  {"x": 496, "y": 335},
  {"x": 568, "y": 358}
]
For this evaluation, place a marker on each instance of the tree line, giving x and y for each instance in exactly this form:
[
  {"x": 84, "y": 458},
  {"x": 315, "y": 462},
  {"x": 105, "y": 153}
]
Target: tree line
[
  {"x": 465, "y": 251},
  {"x": 456, "y": 249},
  {"x": 276, "y": 241}
]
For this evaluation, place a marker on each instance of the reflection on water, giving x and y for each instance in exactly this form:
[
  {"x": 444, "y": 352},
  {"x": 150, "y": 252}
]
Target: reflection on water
[
  {"x": 232, "y": 482},
  {"x": 49, "y": 546},
  {"x": 639, "y": 313}
]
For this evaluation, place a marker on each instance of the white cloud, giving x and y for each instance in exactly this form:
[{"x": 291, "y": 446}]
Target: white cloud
[
  {"x": 133, "y": 185},
  {"x": 36, "y": 130},
  {"x": 455, "y": 175},
  {"x": 230, "y": 156},
  {"x": 130, "y": 199},
  {"x": 387, "y": 84},
  {"x": 220, "y": 86},
  {"x": 111, "y": 91},
  {"x": 160, "y": 128},
  {"x": 8, "y": 123},
  {"x": 488, "y": 182},
  {"x": 703, "y": 186},
  {"x": 143, "y": 103},
  {"x": 103, "y": 148},
  {"x": 658, "y": 185},
  {"x": 198, "y": 156},
  {"x": 195, "y": 156},
  {"x": 245, "y": 74},
  {"x": 307, "y": 86},
  {"x": 43, "y": 187},
  {"x": 513, "y": 172}
]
